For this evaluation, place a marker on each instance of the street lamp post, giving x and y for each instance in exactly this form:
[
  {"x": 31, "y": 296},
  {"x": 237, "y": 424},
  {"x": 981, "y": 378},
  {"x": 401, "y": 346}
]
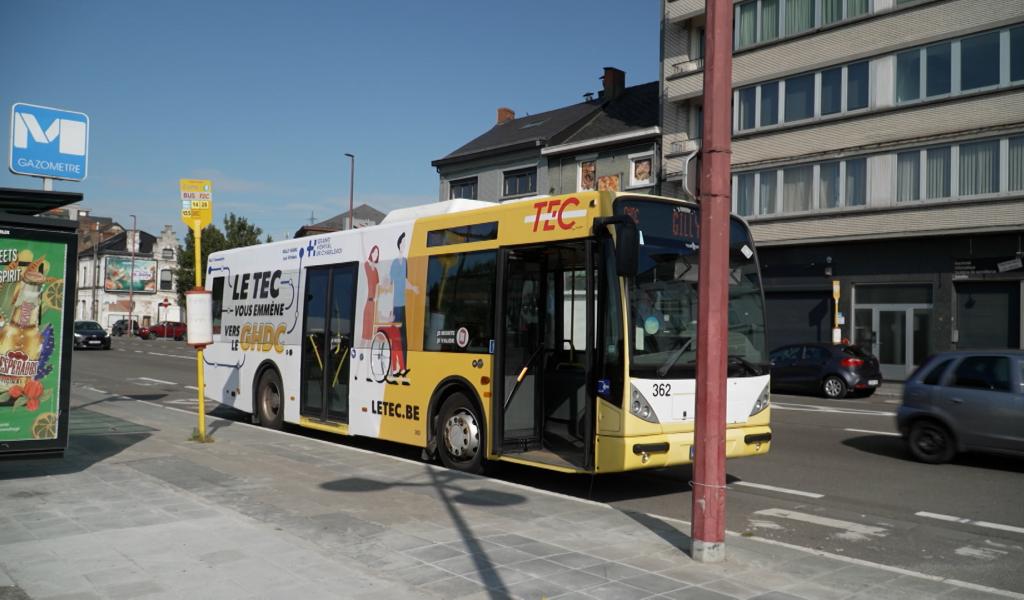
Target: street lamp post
[
  {"x": 351, "y": 188},
  {"x": 131, "y": 278}
]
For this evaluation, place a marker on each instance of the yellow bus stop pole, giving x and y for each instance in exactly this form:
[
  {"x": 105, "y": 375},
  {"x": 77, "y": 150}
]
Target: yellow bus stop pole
[{"x": 197, "y": 232}]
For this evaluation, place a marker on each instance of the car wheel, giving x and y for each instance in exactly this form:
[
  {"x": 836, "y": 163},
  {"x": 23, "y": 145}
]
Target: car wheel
[
  {"x": 151, "y": 336},
  {"x": 270, "y": 400},
  {"x": 931, "y": 442},
  {"x": 834, "y": 387},
  {"x": 461, "y": 433}
]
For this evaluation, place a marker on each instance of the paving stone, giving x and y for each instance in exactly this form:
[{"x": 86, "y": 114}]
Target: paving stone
[
  {"x": 575, "y": 560},
  {"x": 536, "y": 588},
  {"x": 614, "y": 570},
  {"x": 616, "y": 590},
  {"x": 453, "y": 587}
]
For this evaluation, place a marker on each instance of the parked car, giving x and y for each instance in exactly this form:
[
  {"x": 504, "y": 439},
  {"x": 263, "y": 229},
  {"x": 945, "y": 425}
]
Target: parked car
[
  {"x": 833, "y": 370},
  {"x": 166, "y": 329},
  {"x": 120, "y": 327},
  {"x": 89, "y": 334},
  {"x": 966, "y": 400}
]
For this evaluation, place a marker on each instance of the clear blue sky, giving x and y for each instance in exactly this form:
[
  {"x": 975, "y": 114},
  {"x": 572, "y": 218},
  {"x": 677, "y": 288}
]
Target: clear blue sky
[{"x": 265, "y": 98}]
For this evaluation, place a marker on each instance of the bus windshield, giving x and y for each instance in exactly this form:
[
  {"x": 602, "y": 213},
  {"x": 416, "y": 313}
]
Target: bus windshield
[{"x": 663, "y": 295}]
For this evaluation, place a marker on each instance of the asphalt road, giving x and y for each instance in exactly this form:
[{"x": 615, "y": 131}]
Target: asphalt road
[{"x": 837, "y": 479}]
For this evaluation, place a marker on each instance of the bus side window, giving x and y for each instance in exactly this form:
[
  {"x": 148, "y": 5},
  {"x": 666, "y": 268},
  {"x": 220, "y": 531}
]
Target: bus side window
[{"x": 218, "y": 303}]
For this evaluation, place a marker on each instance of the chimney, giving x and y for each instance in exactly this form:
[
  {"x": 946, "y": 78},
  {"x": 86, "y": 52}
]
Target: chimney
[
  {"x": 505, "y": 115},
  {"x": 614, "y": 83}
]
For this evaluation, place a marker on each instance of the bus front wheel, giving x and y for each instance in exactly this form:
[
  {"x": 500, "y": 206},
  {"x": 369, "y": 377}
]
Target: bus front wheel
[
  {"x": 461, "y": 433},
  {"x": 270, "y": 400}
]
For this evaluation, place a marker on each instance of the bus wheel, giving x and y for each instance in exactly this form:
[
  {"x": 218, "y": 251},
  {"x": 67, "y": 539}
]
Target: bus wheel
[
  {"x": 462, "y": 435},
  {"x": 270, "y": 400}
]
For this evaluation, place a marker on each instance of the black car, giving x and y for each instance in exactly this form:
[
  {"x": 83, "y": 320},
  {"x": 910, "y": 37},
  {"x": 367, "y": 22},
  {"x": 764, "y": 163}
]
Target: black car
[
  {"x": 121, "y": 327},
  {"x": 89, "y": 334},
  {"x": 833, "y": 370}
]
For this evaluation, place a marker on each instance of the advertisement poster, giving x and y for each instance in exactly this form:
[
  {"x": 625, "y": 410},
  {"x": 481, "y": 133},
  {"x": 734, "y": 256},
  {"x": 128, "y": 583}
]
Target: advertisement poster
[
  {"x": 116, "y": 277},
  {"x": 31, "y": 321}
]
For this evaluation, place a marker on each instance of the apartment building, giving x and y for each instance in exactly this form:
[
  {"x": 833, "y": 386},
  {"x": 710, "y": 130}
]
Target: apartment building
[
  {"x": 607, "y": 142},
  {"x": 877, "y": 143}
]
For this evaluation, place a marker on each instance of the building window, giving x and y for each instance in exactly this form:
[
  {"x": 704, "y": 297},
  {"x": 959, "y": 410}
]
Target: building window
[
  {"x": 797, "y": 189},
  {"x": 460, "y": 296},
  {"x": 1016, "y": 164},
  {"x": 745, "y": 194},
  {"x": 908, "y": 76},
  {"x": 767, "y": 186},
  {"x": 831, "y": 91},
  {"x": 979, "y": 61},
  {"x": 586, "y": 176},
  {"x": 168, "y": 253},
  {"x": 758, "y": 21},
  {"x": 857, "y": 86},
  {"x": 828, "y": 189},
  {"x": 940, "y": 169},
  {"x": 769, "y": 104},
  {"x": 938, "y": 81},
  {"x": 166, "y": 280},
  {"x": 857, "y": 182},
  {"x": 463, "y": 188},
  {"x": 759, "y": 105},
  {"x": 521, "y": 182},
  {"x": 908, "y": 176},
  {"x": 769, "y": 20},
  {"x": 800, "y": 98},
  {"x": 641, "y": 170},
  {"x": 1017, "y": 54},
  {"x": 979, "y": 168},
  {"x": 799, "y": 16},
  {"x": 748, "y": 108},
  {"x": 982, "y": 61}
]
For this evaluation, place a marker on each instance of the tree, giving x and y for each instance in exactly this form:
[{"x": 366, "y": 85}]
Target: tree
[{"x": 239, "y": 233}]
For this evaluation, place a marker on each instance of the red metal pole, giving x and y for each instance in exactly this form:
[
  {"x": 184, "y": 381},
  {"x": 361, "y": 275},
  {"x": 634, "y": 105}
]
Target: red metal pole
[{"x": 708, "y": 509}]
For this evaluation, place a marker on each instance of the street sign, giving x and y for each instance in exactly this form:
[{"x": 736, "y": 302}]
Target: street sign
[
  {"x": 49, "y": 142},
  {"x": 196, "y": 201}
]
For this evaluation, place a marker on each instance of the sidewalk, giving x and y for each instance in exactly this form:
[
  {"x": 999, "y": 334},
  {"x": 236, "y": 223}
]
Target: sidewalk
[{"x": 134, "y": 511}]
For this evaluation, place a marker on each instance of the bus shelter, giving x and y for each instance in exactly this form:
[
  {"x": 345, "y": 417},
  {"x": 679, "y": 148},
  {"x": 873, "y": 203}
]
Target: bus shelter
[{"x": 38, "y": 257}]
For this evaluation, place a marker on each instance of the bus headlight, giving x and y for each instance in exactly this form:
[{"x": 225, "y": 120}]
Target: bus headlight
[
  {"x": 639, "y": 407},
  {"x": 762, "y": 401}
]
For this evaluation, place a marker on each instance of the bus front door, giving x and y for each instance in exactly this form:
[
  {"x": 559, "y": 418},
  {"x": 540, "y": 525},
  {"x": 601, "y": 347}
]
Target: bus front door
[
  {"x": 542, "y": 365},
  {"x": 327, "y": 333}
]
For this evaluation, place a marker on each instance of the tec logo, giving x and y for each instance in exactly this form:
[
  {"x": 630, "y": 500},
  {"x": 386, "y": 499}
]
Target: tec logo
[{"x": 555, "y": 213}]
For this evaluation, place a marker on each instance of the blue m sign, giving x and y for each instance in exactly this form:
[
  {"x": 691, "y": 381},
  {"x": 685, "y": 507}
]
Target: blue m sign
[{"x": 49, "y": 142}]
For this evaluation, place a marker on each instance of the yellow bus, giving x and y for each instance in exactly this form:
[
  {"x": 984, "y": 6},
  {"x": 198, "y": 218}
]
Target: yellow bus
[{"x": 558, "y": 332}]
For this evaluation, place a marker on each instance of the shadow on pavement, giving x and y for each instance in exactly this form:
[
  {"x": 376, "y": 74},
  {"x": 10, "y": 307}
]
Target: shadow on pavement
[
  {"x": 445, "y": 483},
  {"x": 666, "y": 531},
  {"x": 93, "y": 438},
  {"x": 894, "y": 447}
]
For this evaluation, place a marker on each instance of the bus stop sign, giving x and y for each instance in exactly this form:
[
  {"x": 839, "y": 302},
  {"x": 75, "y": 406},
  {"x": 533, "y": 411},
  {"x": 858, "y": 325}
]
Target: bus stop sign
[{"x": 196, "y": 202}]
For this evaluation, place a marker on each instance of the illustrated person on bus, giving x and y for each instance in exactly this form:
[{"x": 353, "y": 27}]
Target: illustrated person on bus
[
  {"x": 399, "y": 281},
  {"x": 372, "y": 280}
]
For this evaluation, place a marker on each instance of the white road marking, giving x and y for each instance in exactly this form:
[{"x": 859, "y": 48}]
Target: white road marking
[
  {"x": 756, "y": 524},
  {"x": 850, "y": 530},
  {"x": 772, "y": 488},
  {"x": 952, "y": 519},
  {"x": 191, "y": 387},
  {"x": 829, "y": 409},
  {"x": 170, "y": 355},
  {"x": 138, "y": 351},
  {"x": 156, "y": 380},
  {"x": 982, "y": 553},
  {"x": 888, "y": 433}
]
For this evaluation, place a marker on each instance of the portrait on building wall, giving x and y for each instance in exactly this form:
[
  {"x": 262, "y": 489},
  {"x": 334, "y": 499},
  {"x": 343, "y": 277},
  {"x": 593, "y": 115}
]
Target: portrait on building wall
[
  {"x": 608, "y": 183},
  {"x": 588, "y": 176},
  {"x": 641, "y": 174}
]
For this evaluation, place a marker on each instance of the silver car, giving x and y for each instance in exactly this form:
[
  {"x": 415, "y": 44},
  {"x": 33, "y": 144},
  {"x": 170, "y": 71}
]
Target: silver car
[{"x": 967, "y": 400}]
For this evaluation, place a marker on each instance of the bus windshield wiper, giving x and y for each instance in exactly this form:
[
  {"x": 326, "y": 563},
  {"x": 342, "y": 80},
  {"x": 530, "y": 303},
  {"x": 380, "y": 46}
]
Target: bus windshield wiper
[
  {"x": 663, "y": 369},
  {"x": 753, "y": 368}
]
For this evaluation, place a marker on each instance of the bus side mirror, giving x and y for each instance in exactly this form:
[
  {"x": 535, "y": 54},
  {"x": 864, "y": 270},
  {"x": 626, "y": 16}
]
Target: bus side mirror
[
  {"x": 627, "y": 243},
  {"x": 627, "y": 248}
]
